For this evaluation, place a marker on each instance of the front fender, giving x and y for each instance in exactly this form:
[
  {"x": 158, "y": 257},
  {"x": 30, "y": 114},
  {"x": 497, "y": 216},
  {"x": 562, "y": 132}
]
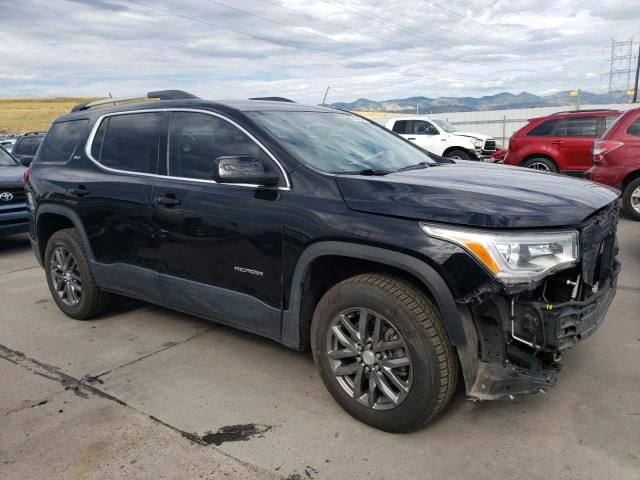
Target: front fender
[{"x": 292, "y": 333}]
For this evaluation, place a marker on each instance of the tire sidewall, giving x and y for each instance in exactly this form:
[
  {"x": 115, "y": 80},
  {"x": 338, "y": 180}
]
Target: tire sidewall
[
  {"x": 461, "y": 155},
  {"x": 64, "y": 239},
  {"x": 626, "y": 200},
  {"x": 414, "y": 409}
]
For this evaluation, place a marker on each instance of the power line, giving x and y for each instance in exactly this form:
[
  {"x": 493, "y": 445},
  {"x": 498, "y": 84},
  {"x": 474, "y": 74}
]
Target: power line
[
  {"x": 349, "y": 44},
  {"x": 257, "y": 37}
]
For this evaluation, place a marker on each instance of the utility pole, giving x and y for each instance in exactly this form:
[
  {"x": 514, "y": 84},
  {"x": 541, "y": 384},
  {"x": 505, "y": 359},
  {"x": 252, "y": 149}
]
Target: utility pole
[
  {"x": 324, "y": 99},
  {"x": 635, "y": 88},
  {"x": 620, "y": 66}
]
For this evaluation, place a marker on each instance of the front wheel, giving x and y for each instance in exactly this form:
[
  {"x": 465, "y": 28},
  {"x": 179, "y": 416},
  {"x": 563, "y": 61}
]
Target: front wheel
[
  {"x": 459, "y": 155},
  {"x": 631, "y": 200},
  {"x": 383, "y": 352}
]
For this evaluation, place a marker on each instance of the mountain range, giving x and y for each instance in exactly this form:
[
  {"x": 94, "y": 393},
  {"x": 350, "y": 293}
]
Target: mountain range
[{"x": 500, "y": 101}]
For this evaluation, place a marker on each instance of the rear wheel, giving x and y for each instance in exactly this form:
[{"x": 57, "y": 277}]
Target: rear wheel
[
  {"x": 541, "y": 164},
  {"x": 631, "y": 199},
  {"x": 458, "y": 154},
  {"x": 69, "y": 277},
  {"x": 383, "y": 353}
]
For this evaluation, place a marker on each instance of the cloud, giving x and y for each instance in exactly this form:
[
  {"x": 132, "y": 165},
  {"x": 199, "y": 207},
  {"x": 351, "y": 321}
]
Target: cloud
[{"x": 296, "y": 48}]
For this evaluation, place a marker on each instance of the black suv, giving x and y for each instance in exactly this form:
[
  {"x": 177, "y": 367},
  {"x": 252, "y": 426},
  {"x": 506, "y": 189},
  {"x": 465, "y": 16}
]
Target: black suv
[
  {"x": 318, "y": 228},
  {"x": 26, "y": 147}
]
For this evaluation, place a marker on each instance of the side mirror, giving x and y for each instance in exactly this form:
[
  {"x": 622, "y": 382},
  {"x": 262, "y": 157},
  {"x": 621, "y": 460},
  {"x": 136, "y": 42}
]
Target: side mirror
[
  {"x": 243, "y": 169},
  {"x": 26, "y": 161},
  {"x": 432, "y": 131}
]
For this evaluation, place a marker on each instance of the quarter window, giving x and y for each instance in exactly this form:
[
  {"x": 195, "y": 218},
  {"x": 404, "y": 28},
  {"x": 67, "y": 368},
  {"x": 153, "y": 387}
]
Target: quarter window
[
  {"x": 61, "y": 141},
  {"x": 634, "y": 128},
  {"x": 197, "y": 139},
  {"x": 129, "y": 142},
  {"x": 582, "y": 126}
]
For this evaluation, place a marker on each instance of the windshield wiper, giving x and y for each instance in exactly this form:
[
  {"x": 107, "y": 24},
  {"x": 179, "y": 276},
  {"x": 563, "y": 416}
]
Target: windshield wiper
[
  {"x": 417, "y": 166},
  {"x": 367, "y": 171}
]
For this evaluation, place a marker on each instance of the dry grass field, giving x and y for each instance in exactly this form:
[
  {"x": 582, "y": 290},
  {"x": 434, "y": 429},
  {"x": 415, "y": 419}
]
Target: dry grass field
[{"x": 19, "y": 115}]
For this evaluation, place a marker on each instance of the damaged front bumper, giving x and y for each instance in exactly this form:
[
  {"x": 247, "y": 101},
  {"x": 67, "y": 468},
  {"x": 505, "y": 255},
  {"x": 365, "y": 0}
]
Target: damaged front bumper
[{"x": 517, "y": 339}]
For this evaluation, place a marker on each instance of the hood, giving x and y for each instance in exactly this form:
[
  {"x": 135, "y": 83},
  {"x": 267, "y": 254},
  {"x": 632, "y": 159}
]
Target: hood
[
  {"x": 11, "y": 176},
  {"x": 478, "y": 194},
  {"x": 479, "y": 136}
]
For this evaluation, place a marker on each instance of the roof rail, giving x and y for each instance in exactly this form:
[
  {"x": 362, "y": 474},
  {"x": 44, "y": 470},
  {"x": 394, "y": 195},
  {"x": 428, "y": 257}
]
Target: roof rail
[
  {"x": 273, "y": 99},
  {"x": 159, "y": 94},
  {"x": 32, "y": 133},
  {"x": 586, "y": 111}
]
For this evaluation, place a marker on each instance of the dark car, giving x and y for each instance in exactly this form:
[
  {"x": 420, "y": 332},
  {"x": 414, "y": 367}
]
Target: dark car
[
  {"x": 14, "y": 216},
  {"x": 560, "y": 142},
  {"x": 320, "y": 229},
  {"x": 616, "y": 160},
  {"x": 26, "y": 147}
]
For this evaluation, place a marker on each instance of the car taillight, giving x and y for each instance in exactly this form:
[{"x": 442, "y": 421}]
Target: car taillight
[
  {"x": 512, "y": 144},
  {"x": 603, "y": 147},
  {"x": 25, "y": 177}
]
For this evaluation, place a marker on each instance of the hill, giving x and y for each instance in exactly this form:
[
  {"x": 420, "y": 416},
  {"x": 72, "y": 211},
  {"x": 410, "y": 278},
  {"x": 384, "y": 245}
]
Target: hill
[{"x": 500, "y": 101}]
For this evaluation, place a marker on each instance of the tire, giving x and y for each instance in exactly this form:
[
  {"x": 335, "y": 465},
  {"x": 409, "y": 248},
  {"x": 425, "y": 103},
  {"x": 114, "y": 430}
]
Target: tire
[
  {"x": 91, "y": 301},
  {"x": 631, "y": 200},
  {"x": 458, "y": 154},
  {"x": 429, "y": 379},
  {"x": 541, "y": 164}
]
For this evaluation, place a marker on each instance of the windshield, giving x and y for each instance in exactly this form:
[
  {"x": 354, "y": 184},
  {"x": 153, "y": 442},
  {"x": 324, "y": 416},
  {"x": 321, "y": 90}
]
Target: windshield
[
  {"x": 339, "y": 142},
  {"x": 446, "y": 126},
  {"x": 5, "y": 159}
]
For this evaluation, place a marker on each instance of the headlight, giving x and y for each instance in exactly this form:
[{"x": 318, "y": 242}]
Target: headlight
[
  {"x": 477, "y": 143},
  {"x": 513, "y": 257}
]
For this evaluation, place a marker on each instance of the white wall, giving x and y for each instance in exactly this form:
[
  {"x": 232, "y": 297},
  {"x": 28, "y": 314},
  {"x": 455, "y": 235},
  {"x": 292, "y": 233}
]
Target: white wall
[{"x": 500, "y": 124}]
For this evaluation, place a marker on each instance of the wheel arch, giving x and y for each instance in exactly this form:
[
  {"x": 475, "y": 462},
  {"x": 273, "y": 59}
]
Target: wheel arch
[
  {"x": 52, "y": 218},
  {"x": 458, "y": 147},
  {"x": 630, "y": 177},
  {"x": 296, "y": 321}
]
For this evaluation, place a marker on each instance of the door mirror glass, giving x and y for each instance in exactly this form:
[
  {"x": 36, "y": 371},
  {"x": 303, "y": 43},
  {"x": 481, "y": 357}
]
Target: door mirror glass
[{"x": 242, "y": 169}]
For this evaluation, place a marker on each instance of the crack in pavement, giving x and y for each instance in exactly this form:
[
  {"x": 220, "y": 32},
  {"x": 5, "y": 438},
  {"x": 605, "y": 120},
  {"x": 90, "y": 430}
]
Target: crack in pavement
[
  {"x": 77, "y": 385},
  {"x": 19, "y": 270}
]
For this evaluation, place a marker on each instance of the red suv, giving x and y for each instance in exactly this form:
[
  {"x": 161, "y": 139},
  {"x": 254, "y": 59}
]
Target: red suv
[
  {"x": 616, "y": 160},
  {"x": 560, "y": 142}
]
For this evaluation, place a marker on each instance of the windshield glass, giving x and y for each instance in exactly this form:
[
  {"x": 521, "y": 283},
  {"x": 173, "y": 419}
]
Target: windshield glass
[
  {"x": 339, "y": 142},
  {"x": 5, "y": 159},
  {"x": 446, "y": 126}
]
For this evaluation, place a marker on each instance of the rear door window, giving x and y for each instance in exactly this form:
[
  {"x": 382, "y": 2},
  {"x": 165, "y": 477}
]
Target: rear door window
[
  {"x": 400, "y": 126},
  {"x": 61, "y": 141},
  {"x": 550, "y": 128},
  {"x": 129, "y": 142},
  {"x": 582, "y": 127}
]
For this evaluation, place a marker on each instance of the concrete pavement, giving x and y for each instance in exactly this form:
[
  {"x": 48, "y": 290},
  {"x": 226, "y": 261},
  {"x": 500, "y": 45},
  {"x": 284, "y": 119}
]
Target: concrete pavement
[{"x": 145, "y": 392}]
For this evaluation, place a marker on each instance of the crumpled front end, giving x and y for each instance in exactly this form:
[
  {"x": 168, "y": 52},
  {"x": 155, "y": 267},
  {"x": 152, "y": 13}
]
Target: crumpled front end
[{"x": 521, "y": 336}]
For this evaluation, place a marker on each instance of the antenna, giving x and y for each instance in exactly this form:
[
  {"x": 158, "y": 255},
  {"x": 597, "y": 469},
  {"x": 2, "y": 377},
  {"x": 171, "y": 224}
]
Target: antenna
[{"x": 324, "y": 99}]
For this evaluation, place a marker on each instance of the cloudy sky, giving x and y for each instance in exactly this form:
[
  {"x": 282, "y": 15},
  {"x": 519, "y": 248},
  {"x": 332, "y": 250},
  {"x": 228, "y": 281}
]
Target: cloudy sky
[{"x": 296, "y": 48}]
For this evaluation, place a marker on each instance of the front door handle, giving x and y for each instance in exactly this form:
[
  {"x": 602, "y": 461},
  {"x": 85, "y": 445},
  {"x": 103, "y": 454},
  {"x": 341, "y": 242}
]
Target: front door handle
[
  {"x": 166, "y": 201},
  {"x": 557, "y": 142},
  {"x": 79, "y": 191}
]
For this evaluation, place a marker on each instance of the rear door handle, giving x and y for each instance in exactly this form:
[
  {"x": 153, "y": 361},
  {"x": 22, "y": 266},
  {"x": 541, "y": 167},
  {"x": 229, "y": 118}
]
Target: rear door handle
[
  {"x": 411, "y": 138},
  {"x": 80, "y": 191},
  {"x": 166, "y": 201}
]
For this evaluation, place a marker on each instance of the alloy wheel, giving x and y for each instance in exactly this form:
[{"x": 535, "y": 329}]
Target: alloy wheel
[
  {"x": 539, "y": 166},
  {"x": 65, "y": 275},
  {"x": 369, "y": 358},
  {"x": 635, "y": 199}
]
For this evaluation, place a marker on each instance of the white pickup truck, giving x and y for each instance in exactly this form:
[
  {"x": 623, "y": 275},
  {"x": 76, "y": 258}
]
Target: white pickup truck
[{"x": 440, "y": 137}]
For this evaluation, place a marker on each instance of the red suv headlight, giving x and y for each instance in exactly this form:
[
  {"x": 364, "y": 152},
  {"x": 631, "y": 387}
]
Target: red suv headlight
[{"x": 603, "y": 147}]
